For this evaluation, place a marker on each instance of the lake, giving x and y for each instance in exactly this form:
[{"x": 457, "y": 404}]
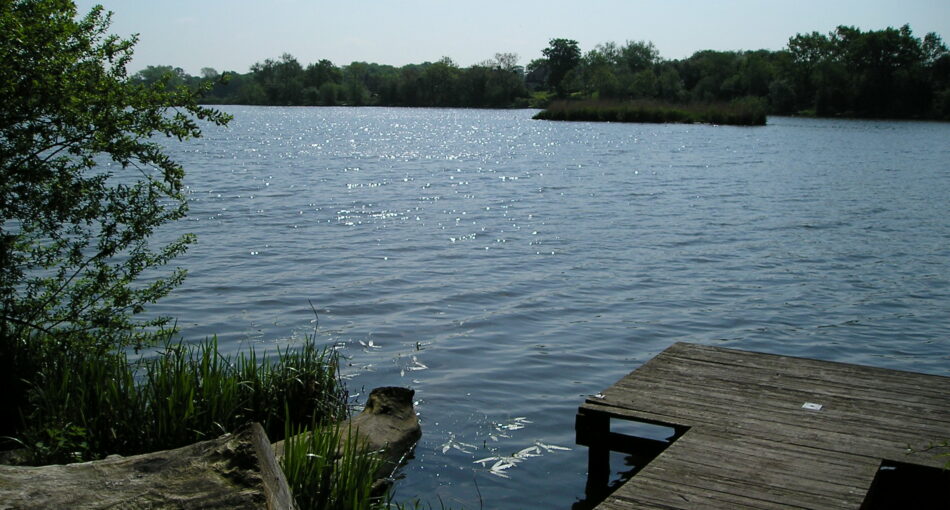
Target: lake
[{"x": 505, "y": 268}]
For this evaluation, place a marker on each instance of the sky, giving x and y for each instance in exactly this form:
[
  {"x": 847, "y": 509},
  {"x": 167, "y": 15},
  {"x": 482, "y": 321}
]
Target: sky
[{"x": 232, "y": 35}]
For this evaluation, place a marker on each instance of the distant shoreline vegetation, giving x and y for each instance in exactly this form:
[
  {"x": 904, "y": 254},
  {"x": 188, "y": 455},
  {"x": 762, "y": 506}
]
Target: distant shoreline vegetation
[
  {"x": 748, "y": 112},
  {"x": 888, "y": 73}
]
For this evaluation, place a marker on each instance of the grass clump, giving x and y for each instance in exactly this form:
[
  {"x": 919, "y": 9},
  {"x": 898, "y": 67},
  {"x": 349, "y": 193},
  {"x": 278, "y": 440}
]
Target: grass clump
[
  {"x": 327, "y": 468},
  {"x": 79, "y": 405},
  {"x": 742, "y": 112}
]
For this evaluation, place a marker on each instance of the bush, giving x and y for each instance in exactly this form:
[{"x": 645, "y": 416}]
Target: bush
[{"x": 74, "y": 233}]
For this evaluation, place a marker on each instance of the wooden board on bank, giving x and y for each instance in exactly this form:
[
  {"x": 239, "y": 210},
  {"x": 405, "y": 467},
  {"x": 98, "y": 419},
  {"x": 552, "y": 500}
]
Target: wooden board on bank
[{"x": 765, "y": 431}]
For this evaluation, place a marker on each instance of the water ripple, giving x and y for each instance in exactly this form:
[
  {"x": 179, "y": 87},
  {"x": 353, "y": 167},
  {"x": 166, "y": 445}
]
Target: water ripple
[{"x": 505, "y": 267}]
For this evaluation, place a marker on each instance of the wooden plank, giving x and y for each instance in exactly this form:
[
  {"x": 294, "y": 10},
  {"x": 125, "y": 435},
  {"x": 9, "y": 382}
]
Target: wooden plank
[
  {"x": 613, "y": 503},
  {"x": 839, "y": 444},
  {"x": 674, "y": 493},
  {"x": 888, "y": 387},
  {"x": 695, "y": 372},
  {"x": 762, "y": 401},
  {"x": 724, "y": 382},
  {"x": 754, "y": 400},
  {"x": 708, "y": 443},
  {"x": 743, "y": 467},
  {"x": 767, "y": 449},
  {"x": 697, "y": 412},
  {"x": 859, "y": 375},
  {"x": 881, "y": 391},
  {"x": 890, "y": 421},
  {"x": 750, "y": 444}
]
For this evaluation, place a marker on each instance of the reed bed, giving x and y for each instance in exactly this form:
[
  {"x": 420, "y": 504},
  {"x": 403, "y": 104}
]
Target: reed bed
[{"x": 83, "y": 405}]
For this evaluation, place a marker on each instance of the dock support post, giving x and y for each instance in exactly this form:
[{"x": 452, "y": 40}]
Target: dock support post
[{"x": 593, "y": 430}]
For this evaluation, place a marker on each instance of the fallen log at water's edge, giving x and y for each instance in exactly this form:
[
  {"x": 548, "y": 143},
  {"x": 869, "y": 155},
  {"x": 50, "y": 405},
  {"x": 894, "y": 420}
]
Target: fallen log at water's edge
[
  {"x": 387, "y": 426},
  {"x": 239, "y": 470},
  {"x": 236, "y": 470}
]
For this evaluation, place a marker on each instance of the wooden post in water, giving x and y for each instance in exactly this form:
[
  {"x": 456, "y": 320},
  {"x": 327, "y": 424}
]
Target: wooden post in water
[{"x": 592, "y": 430}]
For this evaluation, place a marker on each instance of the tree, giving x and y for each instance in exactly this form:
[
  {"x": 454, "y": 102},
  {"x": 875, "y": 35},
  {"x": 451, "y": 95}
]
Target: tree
[
  {"x": 354, "y": 83},
  {"x": 563, "y": 55},
  {"x": 536, "y": 74},
  {"x": 175, "y": 76},
  {"x": 83, "y": 181},
  {"x": 438, "y": 83},
  {"x": 282, "y": 80},
  {"x": 639, "y": 55},
  {"x": 322, "y": 72},
  {"x": 597, "y": 70},
  {"x": 880, "y": 73},
  {"x": 781, "y": 97},
  {"x": 643, "y": 84},
  {"x": 670, "y": 85},
  {"x": 503, "y": 61}
]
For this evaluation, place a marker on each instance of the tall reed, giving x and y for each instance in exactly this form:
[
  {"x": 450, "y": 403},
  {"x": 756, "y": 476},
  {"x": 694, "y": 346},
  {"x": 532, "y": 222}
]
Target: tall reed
[
  {"x": 83, "y": 405},
  {"x": 328, "y": 468}
]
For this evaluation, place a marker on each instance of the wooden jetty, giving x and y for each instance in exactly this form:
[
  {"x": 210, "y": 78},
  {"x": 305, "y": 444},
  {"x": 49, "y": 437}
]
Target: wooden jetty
[{"x": 755, "y": 430}]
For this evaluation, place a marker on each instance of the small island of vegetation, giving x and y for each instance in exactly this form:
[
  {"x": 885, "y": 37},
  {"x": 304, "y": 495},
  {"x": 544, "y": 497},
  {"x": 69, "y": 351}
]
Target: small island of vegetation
[{"x": 746, "y": 112}]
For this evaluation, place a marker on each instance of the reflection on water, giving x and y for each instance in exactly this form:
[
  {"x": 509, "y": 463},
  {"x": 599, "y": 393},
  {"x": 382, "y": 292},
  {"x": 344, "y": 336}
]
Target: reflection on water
[{"x": 504, "y": 267}]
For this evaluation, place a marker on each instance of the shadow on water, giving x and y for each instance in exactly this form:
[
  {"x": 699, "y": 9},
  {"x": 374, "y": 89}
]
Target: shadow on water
[
  {"x": 630, "y": 444},
  {"x": 903, "y": 485},
  {"x": 593, "y": 496}
]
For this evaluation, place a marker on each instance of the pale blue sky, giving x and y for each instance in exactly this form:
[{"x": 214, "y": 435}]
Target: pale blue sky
[{"x": 234, "y": 34}]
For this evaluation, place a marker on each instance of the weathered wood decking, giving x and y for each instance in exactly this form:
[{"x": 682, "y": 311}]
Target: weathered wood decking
[{"x": 744, "y": 439}]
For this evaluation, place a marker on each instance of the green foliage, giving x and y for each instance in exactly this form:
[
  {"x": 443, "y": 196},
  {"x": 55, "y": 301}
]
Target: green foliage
[
  {"x": 882, "y": 73},
  {"x": 322, "y": 474},
  {"x": 562, "y": 56},
  {"x": 670, "y": 86},
  {"x": 84, "y": 405},
  {"x": 781, "y": 97},
  {"x": 643, "y": 84},
  {"x": 321, "y": 73},
  {"x": 281, "y": 80},
  {"x": 885, "y": 73},
  {"x": 172, "y": 77},
  {"x": 496, "y": 83},
  {"x": 638, "y": 56},
  {"x": 83, "y": 180},
  {"x": 744, "y": 112},
  {"x": 540, "y": 99}
]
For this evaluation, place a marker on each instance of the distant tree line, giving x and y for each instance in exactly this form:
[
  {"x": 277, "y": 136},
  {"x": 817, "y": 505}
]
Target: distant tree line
[
  {"x": 495, "y": 83},
  {"x": 879, "y": 73}
]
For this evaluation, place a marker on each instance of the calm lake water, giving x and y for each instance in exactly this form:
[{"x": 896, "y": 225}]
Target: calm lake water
[{"x": 504, "y": 268}]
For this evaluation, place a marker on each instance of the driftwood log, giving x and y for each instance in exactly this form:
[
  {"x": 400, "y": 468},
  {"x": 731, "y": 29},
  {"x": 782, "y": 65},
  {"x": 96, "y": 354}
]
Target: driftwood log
[
  {"x": 234, "y": 471},
  {"x": 387, "y": 426}
]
